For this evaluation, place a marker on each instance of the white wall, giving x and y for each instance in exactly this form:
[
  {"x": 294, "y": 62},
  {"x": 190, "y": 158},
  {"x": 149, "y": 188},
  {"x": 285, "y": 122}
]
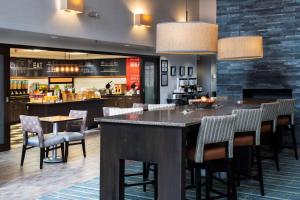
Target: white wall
[
  {"x": 207, "y": 64},
  {"x": 208, "y": 11},
  {"x": 177, "y": 60},
  {"x": 115, "y": 24}
]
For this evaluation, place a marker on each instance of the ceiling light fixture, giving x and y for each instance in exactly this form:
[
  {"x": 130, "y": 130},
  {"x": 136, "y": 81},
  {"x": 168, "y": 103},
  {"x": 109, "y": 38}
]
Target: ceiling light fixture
[
  {"x": 187, "y": 37},
  {"x": 33, "y": 50},
  {"x": 240, "y": 47},
  {"x": 74, "y": 6}
]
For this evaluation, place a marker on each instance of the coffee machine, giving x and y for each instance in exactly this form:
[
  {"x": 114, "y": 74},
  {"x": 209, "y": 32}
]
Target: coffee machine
[{"x": 186, "y": 85}]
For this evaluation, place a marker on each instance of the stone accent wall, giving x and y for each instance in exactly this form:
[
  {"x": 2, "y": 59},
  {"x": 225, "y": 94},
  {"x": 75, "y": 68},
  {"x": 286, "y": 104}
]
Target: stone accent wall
[{"x": 278, "y": 21}]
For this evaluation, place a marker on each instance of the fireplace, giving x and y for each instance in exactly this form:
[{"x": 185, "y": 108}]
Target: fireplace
[{"x": 267, "y": 93}]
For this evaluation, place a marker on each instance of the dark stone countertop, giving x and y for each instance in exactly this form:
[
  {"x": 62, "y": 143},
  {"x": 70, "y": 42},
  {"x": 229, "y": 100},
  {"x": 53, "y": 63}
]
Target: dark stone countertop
[{"x": 176, "y": 117}]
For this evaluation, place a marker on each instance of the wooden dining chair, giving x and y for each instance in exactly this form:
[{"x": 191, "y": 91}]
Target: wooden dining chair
[
  {"x": 214, "y": 153},
  {"x": 32, "y": 124},
  {"x": 268, "y": 128},
  {"x": 286, "y": 120},
  {"x": 247, "y": 134}
]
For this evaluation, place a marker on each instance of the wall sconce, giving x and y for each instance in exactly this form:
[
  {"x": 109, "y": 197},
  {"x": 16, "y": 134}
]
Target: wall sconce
[
  {"x": 142, "y": 20},
  {"x": 74, "y": 6}
]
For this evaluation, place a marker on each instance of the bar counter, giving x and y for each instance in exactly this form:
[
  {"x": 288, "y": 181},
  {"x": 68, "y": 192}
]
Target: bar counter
[{"x": 157, "y": 137}]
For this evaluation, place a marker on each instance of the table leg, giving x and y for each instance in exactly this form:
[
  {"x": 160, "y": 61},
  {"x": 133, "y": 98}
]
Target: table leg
[
  {"x": 54, "y": 158},
  {"x": 171, "y": 168}
]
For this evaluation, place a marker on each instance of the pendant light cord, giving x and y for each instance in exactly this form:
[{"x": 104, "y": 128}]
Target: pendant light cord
[
  {"x": 186, "y": 11},
  {"x": 240, "y": 18}
]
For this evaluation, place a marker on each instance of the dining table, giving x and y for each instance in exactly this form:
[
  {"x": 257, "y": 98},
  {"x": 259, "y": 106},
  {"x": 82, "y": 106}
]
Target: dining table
[
  {"x": 156, "y": 137},
  {"x": 55, "y": 120}
]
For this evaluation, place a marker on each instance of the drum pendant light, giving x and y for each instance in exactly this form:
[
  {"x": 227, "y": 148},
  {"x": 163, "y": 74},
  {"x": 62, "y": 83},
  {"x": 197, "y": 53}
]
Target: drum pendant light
[
  {"x": 187, "y": 37},
  {"x": 240, "y": 47}
]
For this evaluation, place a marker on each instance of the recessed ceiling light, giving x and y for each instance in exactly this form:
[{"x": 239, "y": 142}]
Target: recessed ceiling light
[
  {"x": 126, "y": 45},
  {"x": 77, "y": 53},
  {"x": 35, "y": 50},
  {"x": 54, "y": 37}
]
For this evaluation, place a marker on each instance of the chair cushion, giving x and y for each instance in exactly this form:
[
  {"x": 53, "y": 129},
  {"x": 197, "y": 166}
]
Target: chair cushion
[
  {"x": 266, "y": 128},
  {"x": 244, "y": 140},
  {"x": 210, "y": 153},
  {"x": 71, "y": 136},
  {"x": 49, "y": 140},
  {"x": 283, "y": 121}
]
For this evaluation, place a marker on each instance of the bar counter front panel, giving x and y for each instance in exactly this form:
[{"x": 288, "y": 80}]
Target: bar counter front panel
[{"x": 93, "y": 106}]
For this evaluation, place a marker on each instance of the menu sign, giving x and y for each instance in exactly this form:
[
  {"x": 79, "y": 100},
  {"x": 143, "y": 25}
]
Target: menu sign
[
  {"x": 27, "y": 67},
  {"x": 133, "y": 69}
]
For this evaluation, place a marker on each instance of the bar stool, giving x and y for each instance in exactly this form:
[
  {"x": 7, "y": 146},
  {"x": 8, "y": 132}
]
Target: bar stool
[
  {"x": 285, "y": 119},
  {"x": 247, "y": 134},
  {"x": 214, "y": 153},
  {"x": 268, "y": 128},
  {"x": 113, "y": 111}
]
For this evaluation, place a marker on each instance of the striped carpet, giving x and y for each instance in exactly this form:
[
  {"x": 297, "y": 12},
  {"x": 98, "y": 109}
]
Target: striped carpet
[{"x": 283, "y": 185}]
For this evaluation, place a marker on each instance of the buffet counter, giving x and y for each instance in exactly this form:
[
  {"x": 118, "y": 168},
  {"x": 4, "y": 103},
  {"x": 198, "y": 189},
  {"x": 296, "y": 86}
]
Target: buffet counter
[{"x": 93, "y": 106}]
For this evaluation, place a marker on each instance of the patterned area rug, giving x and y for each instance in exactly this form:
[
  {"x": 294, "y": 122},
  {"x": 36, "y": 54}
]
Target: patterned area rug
[{"x": 283, "y": 185}]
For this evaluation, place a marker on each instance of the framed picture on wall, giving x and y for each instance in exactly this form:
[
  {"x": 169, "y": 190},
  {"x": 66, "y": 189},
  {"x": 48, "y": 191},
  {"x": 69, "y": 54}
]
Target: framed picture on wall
[
  {"x": 181, "y": 71},
  {"x": 164, "y": 65},
  {"x": 190, "y": 71},
  {"x": 164, "y": 80},
  {"x": 173, "y": 71},
  {"x": 164, "y": 72}
]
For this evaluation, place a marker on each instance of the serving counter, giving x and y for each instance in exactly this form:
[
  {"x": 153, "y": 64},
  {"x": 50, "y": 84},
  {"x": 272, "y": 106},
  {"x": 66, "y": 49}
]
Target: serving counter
[{"x": 93, "y": 106}]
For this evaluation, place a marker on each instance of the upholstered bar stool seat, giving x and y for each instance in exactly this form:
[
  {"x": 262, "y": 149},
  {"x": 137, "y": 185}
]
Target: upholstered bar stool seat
[
  {"x": 266, "y": 128},
  {"x": 213, "y": 153},
  {"x": 210, "y": 153},
  {"x": 283, "y": 121},
  {"x": 243, "y": 140},
  {"x": 49, "y": 140},
  {"x": 247, "y": 134}
]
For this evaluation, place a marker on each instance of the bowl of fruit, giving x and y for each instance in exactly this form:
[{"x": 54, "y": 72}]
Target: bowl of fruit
[{"x": 203, "y": 102}]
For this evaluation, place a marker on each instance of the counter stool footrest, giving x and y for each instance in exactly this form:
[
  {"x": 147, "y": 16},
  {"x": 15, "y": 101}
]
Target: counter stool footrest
[
  {"x": 134, "y": 174},
  {"x": 140, "y": 183}
]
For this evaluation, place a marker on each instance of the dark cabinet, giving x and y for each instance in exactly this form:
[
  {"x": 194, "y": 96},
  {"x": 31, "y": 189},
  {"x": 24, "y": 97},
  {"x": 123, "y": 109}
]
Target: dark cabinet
[
  {"x": 17, "y": 107},
  {"x": 122, "y": 101}
]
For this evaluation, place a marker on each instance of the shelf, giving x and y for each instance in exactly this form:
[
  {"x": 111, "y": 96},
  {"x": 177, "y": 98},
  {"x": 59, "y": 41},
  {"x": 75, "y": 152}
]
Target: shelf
[{"x": 45, "y": 77}]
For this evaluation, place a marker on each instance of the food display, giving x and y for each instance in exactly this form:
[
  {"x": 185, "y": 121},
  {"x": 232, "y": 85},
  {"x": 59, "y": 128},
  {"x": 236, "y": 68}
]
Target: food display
[{"x": 203, "y": 102}]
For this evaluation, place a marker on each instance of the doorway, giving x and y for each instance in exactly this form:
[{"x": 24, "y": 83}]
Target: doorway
[
  {"x": 4, "y": 99},
  {"x": 11, "y": 76},
  {"x": 151, "y": 80}
]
